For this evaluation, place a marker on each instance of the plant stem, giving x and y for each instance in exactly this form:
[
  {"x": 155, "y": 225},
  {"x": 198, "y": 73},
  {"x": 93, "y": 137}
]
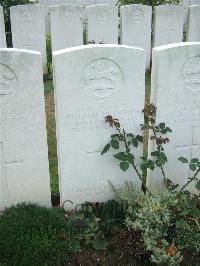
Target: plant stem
[
  {"x": 158, "y": 148},
  {"x": 190, "y": 180},
  {"x": 123, "y": 135},
  {"x": 144, "y": 187}
]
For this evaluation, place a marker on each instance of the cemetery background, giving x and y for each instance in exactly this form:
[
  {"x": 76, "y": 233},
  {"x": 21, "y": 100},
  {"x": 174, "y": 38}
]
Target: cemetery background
[{"x": 51, "y": 130}]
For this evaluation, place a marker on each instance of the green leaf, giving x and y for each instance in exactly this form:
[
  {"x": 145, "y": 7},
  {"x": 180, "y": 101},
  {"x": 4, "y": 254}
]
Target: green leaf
[
  {"x": 99, "y": 242},
  {"x": 130, "y": 157},
  {"x": 162, "y": 159},
  {"x": 150, "y": 164},
  {"x": 197, "y": 186},
  {"x": 162, "y": 125},
  {"x": 139, "y": 138},
  {"x": 106, "y": 148},
  {"x": 115, "y": 144},
  {"x": 129, "y": 143},
  {"x": 184, "y": 212},
  {"x": 183, "y": 159},
  {"x": 194, "y": 160},
  {"x": 75, "y": 245},
  {"x": 155, "y": 153},
  {"x": 143, "y": 167},
  {"x": 114, "y": 136},
  {"x": 120, "y": 156},
  {"x": 168, "y": 129},
  {"x": 135, "y": 142},
  {"x": 130, "y": 135},
  {"x": 163, "y": 131},
  {"x": 180, "y": 224},
  {"x": 193, "y": 167},
  {"x": 124, "y": 166}
]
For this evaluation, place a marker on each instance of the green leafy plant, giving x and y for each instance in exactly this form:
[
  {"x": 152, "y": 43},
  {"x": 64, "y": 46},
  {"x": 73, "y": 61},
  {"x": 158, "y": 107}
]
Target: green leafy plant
[
  {"x": 109, "y": 214},
  {"x": 148, "y": 2},
  {"x": 84, "y": 228},
  {"x": 129, "y": 142},
  {"x": 33, "y": 235},
  {"x": 167, "y": 221}
]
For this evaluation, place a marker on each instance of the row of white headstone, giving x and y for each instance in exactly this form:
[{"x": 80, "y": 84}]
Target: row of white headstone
[
  {"x": 90, "y": 83},
  {"x": 28, "y": 26}
]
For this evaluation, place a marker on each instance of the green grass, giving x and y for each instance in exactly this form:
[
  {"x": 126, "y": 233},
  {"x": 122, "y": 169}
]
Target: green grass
[
  {"x": 51, "y": 131},
  {"x": 33, "y": 235},
  {"x": 51, "y": 136}
]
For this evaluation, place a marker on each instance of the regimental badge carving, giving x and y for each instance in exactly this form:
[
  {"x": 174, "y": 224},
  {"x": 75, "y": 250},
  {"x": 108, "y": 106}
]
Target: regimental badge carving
[
  {"x": 102, "y": 78},
  {"x": 8, "y": 83},
  {"x": 191, "y": 73},
  {"x": 103, "y": 16},
  {"x": 28, "y": 17},
  {"x": 137, "y": 14}
]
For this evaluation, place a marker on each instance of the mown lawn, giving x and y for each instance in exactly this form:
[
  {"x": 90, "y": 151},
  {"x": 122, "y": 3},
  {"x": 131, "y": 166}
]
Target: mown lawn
[
  {"x": 51, "y": 131},
  {"x": 51, "y": 135}
]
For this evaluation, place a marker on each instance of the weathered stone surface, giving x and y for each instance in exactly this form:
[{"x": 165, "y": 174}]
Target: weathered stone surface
[
  {"x": 185, "y": 4},
  {"x": 136, "y": 27},
  {"x": 66, "y": 26},
  {"x": 47, "y": 3},
  {"x": 168, "y": 24},
  {"x": 28, "y": 29},
  {"x": 2, "y": 30},
  {"x": 24, "y": 174},
  {"x": 102, "y": 24},
  {"x": 176, "y": 94},
  {"x": 193, "y": 24},
  {"x": 92, "y": 82}
]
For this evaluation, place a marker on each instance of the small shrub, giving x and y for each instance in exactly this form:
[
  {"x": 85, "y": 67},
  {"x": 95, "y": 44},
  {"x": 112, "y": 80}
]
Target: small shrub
[
  {"x": 152, "y": 3},
  {"x": 33, "y": 235},
  {"x": 109, "y": 214},
  {"x": 169, "y": 222},
  {"x": 84, "y": 228}
]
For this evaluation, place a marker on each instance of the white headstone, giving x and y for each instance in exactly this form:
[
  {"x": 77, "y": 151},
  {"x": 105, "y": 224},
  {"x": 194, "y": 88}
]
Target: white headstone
[
  {"x": 176, "y": 94},
  {"x": 66, "y": 26},
  {"x": 76, "y": 2},
  {"x": 136, "y": 27},
  {"x": 28, "y": 29},
  {"x": 47, "y": 3},
  {"x": 2, "y": 29},
  {"x": 24, "y": 172},
  {"x": 97, "y": 2},
  {"x": 92, "y": 82},
  {"x": 185, "y": 4},
  {"x": 193, "y": 26},
  {"x": 168, "y": 24},
  {"x": 194, "y": 2},
  {"x": 102, "y": 24}
]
